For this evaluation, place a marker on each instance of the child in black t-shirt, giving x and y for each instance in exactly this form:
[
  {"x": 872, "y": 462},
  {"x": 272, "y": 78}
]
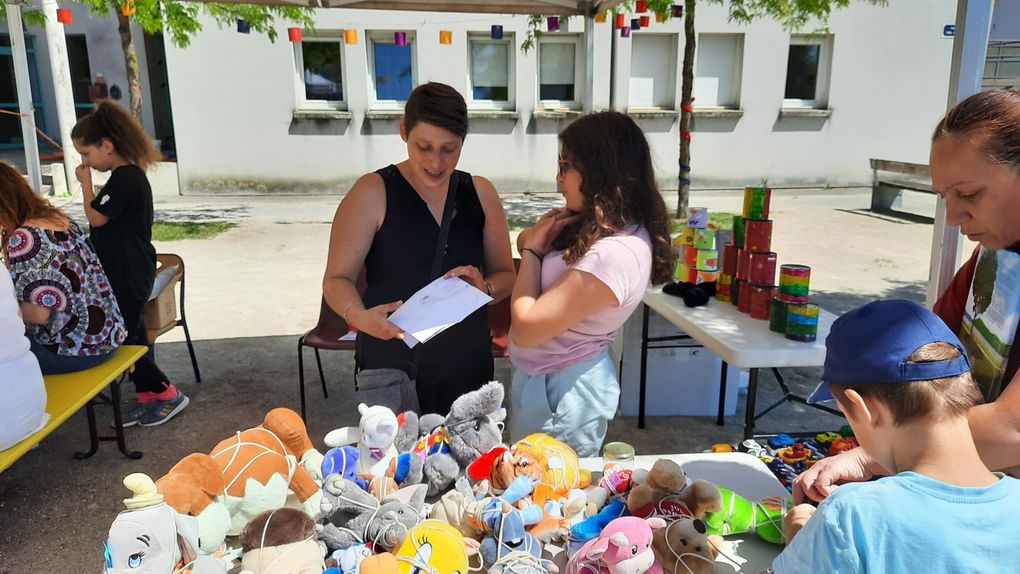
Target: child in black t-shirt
[{"x": 109, "y": 139}]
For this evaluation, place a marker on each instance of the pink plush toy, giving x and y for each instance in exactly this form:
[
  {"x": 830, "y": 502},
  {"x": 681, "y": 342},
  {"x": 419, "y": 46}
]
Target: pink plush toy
[{"x": 623, "y": 547}]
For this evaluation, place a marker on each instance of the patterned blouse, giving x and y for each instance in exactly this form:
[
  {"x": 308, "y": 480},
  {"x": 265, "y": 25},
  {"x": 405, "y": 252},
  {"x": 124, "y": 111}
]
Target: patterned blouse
[{"x": 60, "y": 271}]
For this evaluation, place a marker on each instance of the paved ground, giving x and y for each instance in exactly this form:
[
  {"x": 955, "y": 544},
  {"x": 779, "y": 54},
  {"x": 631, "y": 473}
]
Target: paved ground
[{"x": 252, "y": 290}]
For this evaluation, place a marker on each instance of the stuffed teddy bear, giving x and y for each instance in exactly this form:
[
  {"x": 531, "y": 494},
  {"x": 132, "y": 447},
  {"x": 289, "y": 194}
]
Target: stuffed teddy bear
[
  {"x": 374, "y": 437},
  {"x": 667, "y": 489},
  {"x": 281, "y": 541},
  {"x": 152, "y": 537},
  {"x": 269, "y": 467},
  {"x": 195, "y": 487},
  {"x": 623, "y": 547},
  {"x": 355, "y": 516},
  {"x": 740, "y": 515},
  {"x": 684, "y": 546},
  {"x": 473, "y": 427}
]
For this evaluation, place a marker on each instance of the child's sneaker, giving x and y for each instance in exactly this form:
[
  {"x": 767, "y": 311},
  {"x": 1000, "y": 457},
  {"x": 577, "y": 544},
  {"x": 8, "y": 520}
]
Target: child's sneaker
[
  {"x": 159, "y": 412},
  {"x": 131, "y": 416}
]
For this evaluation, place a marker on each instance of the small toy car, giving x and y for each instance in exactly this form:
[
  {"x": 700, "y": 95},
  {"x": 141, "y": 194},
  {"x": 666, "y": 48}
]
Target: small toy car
[
  {"x": 826, "y": 438},
  {"x": 781, "y": 441},
  {"x": 722, "y": 447}
]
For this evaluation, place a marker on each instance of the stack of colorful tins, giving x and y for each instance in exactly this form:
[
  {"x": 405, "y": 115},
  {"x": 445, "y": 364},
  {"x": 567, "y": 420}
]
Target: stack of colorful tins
[
  {"x": 792, "y": 314},
  {"x": 749, "y": 265},
  {"x": 697, "y": 257}
]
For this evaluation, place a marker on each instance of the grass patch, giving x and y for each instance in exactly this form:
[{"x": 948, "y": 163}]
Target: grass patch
[
  {"x": 723, "y": 219},
  {"x": 178, "y": 230}
]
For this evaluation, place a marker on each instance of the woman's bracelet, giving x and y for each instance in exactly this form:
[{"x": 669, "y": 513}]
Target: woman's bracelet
[
  {"x": 347, "y": 309},
  {"x": 489, "y": 290},
  {"x": 534, "y": 252}
]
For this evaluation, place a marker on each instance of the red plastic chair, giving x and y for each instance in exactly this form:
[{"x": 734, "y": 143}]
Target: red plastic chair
[{"x": 326, "y": 336}]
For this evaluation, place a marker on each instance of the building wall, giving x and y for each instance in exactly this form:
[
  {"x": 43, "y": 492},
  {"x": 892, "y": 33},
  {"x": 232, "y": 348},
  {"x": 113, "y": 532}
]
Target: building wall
[
  {"x": 105, "y": 57},
  {"x": 234, "y": 98}
]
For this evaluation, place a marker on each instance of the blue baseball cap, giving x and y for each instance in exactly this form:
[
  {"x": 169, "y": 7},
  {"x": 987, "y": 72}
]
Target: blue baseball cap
[{"x": 871, "y": 344}]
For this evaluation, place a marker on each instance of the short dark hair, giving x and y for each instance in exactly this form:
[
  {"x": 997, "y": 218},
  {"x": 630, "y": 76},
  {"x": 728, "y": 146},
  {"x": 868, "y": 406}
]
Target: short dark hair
[
  {"x": 939, "y": 399},
  {"x": 439, "y": 105},
  {"x": 993, "y": 117}
]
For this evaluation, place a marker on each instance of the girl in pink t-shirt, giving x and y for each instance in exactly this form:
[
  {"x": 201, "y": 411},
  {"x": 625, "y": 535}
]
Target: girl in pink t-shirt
[{"x": 583, "y": 271}]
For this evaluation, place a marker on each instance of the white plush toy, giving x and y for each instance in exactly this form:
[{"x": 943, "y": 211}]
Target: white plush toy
[{"x": 374, "y": 437}]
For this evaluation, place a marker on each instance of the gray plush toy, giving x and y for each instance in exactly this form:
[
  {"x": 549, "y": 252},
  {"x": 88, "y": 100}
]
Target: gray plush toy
[
  {"x": 353, "y": 516},
  {"x": 473, "y": 427}
]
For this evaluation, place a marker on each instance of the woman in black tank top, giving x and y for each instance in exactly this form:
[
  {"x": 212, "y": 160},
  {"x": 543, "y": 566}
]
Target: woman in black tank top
[{"x": 389, "y": 224}]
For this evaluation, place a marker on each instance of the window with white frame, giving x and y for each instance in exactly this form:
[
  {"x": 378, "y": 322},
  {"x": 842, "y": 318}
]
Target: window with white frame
[
  {"x": 807, "y": 72},
  {"x": 392, "y": 69},
  {"x": 560, "y": 71},
  {"x": 320, "y": 72},
  {"x": 653, "y": 71},
  {"x": 717, "y": 71},
  {"x": 491, "y": 72}
]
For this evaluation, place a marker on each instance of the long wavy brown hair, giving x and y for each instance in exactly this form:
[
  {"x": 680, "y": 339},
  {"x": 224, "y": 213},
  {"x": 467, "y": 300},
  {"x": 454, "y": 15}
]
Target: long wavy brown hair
[
  {"x": 20, "y": 204},
  {"x": 618, "y": 183},
  {"x": 112, "y": 122}
]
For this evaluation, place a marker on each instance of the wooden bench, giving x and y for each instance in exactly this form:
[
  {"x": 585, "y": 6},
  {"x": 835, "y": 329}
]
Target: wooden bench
[
  {"x": 67, "y": 393},
  {"x": 887, "y": 188}
]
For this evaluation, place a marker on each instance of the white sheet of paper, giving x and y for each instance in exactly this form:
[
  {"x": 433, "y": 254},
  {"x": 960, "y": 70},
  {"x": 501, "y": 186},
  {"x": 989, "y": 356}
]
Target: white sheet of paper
[{"x": 436, "y": 307}]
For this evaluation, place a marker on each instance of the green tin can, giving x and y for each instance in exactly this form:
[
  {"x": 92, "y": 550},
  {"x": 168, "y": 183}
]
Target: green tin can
[
  {"x": 777, "y": 319},
  {"x": 738, "y": 231}
]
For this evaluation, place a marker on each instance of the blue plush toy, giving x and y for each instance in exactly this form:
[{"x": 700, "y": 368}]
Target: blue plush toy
[
  {"x": 343, "y": 460},
  {"x": 591, "y": 527}
]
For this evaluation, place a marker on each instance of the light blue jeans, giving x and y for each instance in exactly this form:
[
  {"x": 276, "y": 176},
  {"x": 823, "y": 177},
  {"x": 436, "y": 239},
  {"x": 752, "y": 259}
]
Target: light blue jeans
[{"x": 573, "y": 405}]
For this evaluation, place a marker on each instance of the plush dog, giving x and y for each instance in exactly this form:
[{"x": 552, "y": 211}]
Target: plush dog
[
  {"x": 684, "y": 546},
  {"x": 355, "y": 516},
  {"x": 539, "y": 456},
  {"x": 667, "y": 484},
  {"x": 281, "y": 542}
]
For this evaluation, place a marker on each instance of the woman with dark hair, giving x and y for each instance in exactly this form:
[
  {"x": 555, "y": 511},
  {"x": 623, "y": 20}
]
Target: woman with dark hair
[
  {"x": 584, "y": 269},
  {"x": 389, "y": 223},
  {"x": 72, "y": 318},
  {"x": 975, "y": 167}
]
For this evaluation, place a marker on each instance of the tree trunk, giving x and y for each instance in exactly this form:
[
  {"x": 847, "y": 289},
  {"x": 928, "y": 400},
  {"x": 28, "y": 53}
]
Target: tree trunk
[
  {"x": 690, "y": 43},
  {"x": 130, "y": 63}
]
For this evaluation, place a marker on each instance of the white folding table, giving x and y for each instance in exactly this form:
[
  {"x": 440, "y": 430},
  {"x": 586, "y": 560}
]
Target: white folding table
[{"x": 739, "y": 341}]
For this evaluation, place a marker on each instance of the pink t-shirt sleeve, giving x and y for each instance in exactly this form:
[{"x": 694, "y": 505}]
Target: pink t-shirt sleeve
[{"x": 613, "y": 261}]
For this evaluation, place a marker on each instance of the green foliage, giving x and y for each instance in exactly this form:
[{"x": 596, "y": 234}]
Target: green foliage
[
  {"x": 793, "y": 15},
  {"x": 178, "y": 230},
  {"x": 984, "y": 280}
]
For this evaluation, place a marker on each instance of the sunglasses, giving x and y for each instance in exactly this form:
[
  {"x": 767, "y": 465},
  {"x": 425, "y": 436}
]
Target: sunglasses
[{"x": 563, "y": 165}]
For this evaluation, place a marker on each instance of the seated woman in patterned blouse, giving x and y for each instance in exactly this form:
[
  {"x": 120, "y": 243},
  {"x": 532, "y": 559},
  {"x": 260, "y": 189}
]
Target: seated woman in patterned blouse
[{"x": 72, "y": 318}]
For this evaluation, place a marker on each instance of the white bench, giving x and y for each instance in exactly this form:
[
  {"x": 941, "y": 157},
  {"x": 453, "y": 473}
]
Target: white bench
[{"x": 890, "y": 178}]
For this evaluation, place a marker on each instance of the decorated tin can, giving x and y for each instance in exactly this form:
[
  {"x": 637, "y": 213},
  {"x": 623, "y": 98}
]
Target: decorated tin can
[
  {"x": 802, "y": 322},
  {"x": 758, "y": 235},
  {"x": 761, "y": 301},
  {"x": 691, "y": 256},
  {"x": 777, "y": 318},
  {"x": 794, "y": 282},
  {"x": 703, "y": 276},
  {"x": 744, "y": 302},
  {"x": 756, "y": 202},
  {"x": 743, "y": 264},
  {"x": 704, "y": 238},
  {"x": 763, "y": 268},
  {"x": 687, "y": 235},
  {"x": 697, "y": 217},
  {"x": 729, "y": 259},
  {"x": 708, "y": 260},
  {"x": 738, "y": 231},
  {"x": 723, "y": 297},
  {"x": 725, "y": 279},
  {"x": 735, "y": 292}
]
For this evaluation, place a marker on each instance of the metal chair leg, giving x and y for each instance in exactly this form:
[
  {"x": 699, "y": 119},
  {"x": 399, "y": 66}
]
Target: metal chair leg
[
  {"x": 191, "y": 351},
  {"x": 301, "y": 374},
  {"x": 322, "y": 378}
]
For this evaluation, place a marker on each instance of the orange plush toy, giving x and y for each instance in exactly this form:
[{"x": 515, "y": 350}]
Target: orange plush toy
[
  {"x": 268, "y": 467},
  {"x": 194, "y": 486}
]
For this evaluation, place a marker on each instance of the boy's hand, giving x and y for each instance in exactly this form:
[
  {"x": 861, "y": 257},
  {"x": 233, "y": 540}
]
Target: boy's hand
[{"x": 795, "y": 519}]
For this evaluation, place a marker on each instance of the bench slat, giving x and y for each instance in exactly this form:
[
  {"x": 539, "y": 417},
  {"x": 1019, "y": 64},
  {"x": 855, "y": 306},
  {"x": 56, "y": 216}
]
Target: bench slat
[
  {"x": 68, "y": 393},
  {"x": 911, "y": 185},
  {"x": 912, "y": 169}
]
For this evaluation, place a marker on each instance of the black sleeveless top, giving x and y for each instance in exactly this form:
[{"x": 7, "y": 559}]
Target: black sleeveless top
[{"x": 399, "y": 263}]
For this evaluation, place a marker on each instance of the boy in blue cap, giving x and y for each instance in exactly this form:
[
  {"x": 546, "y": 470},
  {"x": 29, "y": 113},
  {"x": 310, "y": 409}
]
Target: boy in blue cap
[{"x": 902, "y": 379}]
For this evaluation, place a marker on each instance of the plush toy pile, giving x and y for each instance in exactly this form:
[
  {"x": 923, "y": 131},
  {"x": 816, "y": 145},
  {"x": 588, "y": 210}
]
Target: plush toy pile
[{"x": 403, "y": 493}]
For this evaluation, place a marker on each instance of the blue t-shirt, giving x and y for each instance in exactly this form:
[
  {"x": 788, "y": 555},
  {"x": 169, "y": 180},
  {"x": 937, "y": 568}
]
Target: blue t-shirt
[{"x": 909, "y": 523}]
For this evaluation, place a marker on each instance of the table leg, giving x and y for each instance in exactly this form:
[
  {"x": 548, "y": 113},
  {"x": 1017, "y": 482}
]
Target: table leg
[
  {"x": 90, "y": 412},
  {"x": 644, "y": 367},
  {"x": 722, "y": 395},
  {"x": 118, "y": 420},
  {"x": 752, "y": 395}
]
